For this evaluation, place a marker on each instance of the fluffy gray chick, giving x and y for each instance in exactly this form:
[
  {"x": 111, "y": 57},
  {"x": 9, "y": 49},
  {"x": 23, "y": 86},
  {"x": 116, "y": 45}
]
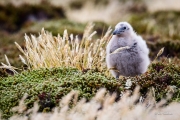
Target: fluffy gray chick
[{"x": 126, "y": 52}]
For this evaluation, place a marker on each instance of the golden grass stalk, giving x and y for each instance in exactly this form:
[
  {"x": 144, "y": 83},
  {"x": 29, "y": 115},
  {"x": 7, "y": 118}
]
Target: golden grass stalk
[
  {"x": 8, "y": 66},
  {"x": 47, "y": 51},
  {"x": 159, "y": 54}
]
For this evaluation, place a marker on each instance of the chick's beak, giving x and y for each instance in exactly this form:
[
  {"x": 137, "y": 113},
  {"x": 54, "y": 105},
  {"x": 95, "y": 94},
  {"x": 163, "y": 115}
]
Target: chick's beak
[
  {"x": 115, "y": 32},
  {"x": 118, "y": 31}
]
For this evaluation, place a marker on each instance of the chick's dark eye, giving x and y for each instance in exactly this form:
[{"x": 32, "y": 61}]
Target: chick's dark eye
[{"x": 124, "y": 28}]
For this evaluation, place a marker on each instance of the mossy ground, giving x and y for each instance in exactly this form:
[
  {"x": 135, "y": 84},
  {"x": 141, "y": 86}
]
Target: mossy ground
[
  {"x": 163, "y": 77},
  {"x": 48, "y": 86}
]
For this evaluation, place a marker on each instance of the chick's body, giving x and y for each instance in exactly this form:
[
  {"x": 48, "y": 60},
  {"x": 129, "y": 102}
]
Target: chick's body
[{"x": 132, "y": 57}]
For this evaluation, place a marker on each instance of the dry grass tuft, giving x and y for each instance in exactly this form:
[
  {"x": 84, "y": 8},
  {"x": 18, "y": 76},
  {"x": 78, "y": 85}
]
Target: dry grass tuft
[
  {"x": 47, "y": 51},
  {"x": 8, "y": 66},
  {"x": 104, "y": 107}
]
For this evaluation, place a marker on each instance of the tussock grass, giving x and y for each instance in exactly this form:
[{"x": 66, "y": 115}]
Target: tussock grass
[{"x": 47, "y": 51}]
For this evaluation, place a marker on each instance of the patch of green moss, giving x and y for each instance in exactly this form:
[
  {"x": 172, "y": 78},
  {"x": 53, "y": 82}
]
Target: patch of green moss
[
  {"x": 163, "y": 76},
  {"x": 50, "y": 85}
]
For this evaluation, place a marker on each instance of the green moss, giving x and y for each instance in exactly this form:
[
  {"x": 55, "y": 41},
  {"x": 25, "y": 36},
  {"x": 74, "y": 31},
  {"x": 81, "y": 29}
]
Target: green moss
[
  {"x": 162, "y": 76},
  {"x": 50, "y": 85}
]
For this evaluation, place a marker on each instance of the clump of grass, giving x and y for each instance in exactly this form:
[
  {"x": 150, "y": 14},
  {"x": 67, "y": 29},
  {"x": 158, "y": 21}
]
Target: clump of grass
[{"x": 47, "y": 51}]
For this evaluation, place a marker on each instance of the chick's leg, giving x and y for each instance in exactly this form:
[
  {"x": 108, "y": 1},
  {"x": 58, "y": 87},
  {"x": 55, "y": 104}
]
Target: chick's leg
[{"x": 115, "y": 73}]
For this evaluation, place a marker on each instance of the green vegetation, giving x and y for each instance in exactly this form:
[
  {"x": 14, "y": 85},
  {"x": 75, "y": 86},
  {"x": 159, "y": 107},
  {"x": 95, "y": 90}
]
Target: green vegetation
[
  {"x": 13, "y": 18},
  {"x": 56, "y": 27},
  {"x": 50, "y": 85},
  {"x": 159, "y": 29},
  {"x": 163, "y": 76},
  {"x": 163, "y": 24},
  {"x": 172, "y": 48}
]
